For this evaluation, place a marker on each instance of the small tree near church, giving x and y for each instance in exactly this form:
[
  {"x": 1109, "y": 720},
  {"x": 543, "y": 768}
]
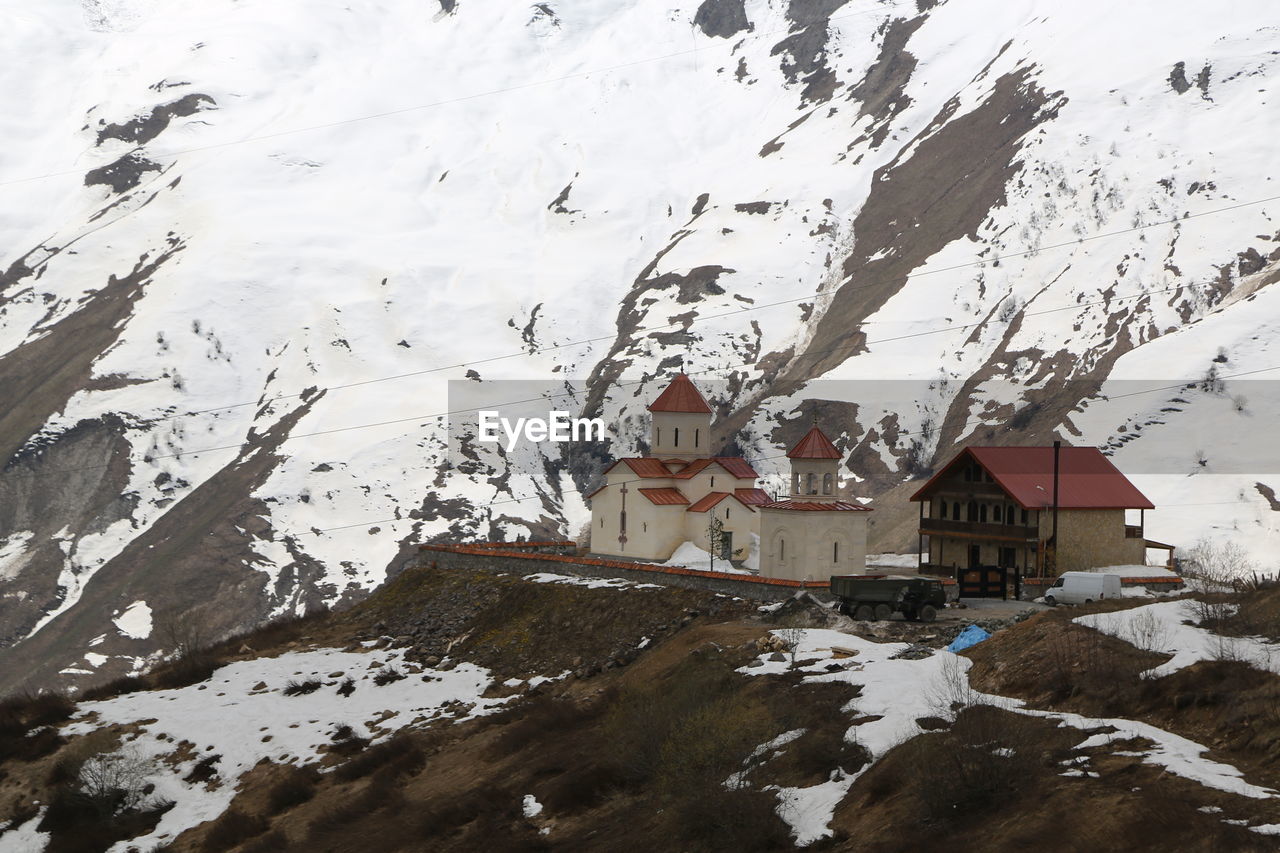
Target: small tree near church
[{"x": 715, "y": 538}]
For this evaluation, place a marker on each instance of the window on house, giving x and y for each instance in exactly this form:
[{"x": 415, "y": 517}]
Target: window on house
[
  {"x": 982, "y": 512},
  {"x": 713, "y": 482},
  {"x": 657, "y": 436},
  {"x": 726, "y": 513},
  {"x": 826, "y": 484},
  {"x": 968, "y": 474},
  {"x": 676, "y": 440},
  {"x": 942, "y": 509},
  {"x": 972, "y": 514},
  {"x": 1024, "y": 516},
  {"x": 697, "y": 437},
  {"x": 835, "y": 552},
  {"x": 955, "y": 510}
]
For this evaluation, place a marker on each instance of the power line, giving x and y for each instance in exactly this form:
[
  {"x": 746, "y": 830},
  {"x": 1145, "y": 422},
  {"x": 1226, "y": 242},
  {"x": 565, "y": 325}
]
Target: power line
[
  {"x": 682, "y": 324},
  {"x": 733, "y": 366}
]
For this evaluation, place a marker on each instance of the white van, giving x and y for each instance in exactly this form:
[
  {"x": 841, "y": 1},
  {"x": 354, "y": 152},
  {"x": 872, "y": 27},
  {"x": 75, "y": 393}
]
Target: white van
[{"x": 1082, "y": 588}]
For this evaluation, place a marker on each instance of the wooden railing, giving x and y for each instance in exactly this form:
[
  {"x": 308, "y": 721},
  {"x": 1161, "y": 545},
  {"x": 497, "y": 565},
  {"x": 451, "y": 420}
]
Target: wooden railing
[{"x": 943, "y": 526}]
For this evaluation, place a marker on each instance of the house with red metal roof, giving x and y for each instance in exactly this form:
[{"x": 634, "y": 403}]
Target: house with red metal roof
[
  {"x": 651, "y": 505},
  {"x": 995, "y": 507}
]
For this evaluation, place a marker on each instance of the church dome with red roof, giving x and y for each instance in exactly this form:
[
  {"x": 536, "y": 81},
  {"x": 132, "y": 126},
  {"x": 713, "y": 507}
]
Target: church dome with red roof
[
  {"x": 814, "y": 445},
  {"x": 681, "y": 396}
]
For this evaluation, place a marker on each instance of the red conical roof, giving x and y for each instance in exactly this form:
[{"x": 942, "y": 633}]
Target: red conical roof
[
  {"x": 814, "y": 445},
  {"x": 681, "y": 396}
]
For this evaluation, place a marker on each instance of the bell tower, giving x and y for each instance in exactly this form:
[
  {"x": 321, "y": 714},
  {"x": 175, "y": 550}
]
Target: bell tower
[
  {"x": 814, "y": 465},
  {"x": 680, "y": 422}
]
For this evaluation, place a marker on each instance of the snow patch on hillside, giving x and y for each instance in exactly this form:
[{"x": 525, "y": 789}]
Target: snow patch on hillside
[
  {"x": 232, "y": 717},
  {"x": 900, "y": 691},
  {"x": 1163, "y": 627},
  {"x": 135, "y": 621}
]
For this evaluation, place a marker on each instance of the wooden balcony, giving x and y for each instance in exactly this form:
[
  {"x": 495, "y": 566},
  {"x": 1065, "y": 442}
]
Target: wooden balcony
[
  {"x": 979, "y": 530},
  {"x": 966, "y": 491}
]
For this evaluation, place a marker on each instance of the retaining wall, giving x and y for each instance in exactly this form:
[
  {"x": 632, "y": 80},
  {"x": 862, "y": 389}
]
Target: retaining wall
[{"x": 530, "y": 557}]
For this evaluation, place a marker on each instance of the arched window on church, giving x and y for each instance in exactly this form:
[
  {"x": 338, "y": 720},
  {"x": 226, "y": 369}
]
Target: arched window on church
[
  {"x": 826, "y": 484},
  {"x": 782, "y": 550},
  {"x": 713, "y": 481},
  {"x": 697, "y": 437},
  {"x": 657, "y": 435},
  {"x": 676, "y": 440},
  {"x": 835, "y": 552},
  {"x": 795, "y": 483},
  {"x": 813, "y": 484},
  {"x": 942, "y": 507},
  {"x": 726, "y": 513}
]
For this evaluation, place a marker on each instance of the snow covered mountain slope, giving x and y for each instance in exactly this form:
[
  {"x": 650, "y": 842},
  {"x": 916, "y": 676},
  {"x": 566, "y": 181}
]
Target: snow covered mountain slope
[{"x": 246, "y": 245}]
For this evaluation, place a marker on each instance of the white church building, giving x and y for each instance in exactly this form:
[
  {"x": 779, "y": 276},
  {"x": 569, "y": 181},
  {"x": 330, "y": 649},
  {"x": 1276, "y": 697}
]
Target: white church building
[{"x": 651, "y": 505}]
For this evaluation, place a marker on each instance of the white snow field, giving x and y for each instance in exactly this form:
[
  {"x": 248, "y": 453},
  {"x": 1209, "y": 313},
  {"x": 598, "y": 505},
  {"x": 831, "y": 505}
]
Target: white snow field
[
  {"x": 392, "y": 190},
  {"x": 232, "y": 717},
  {"x": 900, "y": 691},
  {"x": 1163, "y": 627}
]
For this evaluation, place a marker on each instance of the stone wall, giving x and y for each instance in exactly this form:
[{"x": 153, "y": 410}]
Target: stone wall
[{"x": 512, "y": 558}]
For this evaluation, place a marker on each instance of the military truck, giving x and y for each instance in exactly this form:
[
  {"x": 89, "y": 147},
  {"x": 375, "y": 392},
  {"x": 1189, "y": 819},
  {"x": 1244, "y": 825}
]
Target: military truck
[{"x": 877, "y": 597}]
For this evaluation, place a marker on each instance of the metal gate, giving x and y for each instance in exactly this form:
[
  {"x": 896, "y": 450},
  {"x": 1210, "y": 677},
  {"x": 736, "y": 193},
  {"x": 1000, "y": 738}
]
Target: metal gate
[{"x": 982, "y": 582}]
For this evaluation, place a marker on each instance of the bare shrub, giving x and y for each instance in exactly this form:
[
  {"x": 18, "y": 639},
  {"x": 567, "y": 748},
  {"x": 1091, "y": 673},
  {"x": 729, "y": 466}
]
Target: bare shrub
[
  {"x": 403, "y": 753},
  {"x": 116, "y": 687},
  {"x": 792, "y": 635},
  {"x": 186, "y": 636},
  {"x": 985, "y": 757},
  {"x": 300, "y": 688},
  {"x": 346, "y": 741},
  {"x": 116, "y": 782},
  {"x": 387, "y": 675},
  {"x": 1216, "y": 567},
  {"x": 1148, "y": 632},
  {"x": 539, "y": 717},
  {"x": 296, "y": 786},
  {"x": 234, "y": 827},
  {"x": 25, "y": 724},
  {"x": 950, "y": 690},
  {"x": 1082, "y": 659}
]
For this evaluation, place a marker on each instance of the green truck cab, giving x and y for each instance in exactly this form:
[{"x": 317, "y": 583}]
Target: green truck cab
[{"x": 876, "y": 597}]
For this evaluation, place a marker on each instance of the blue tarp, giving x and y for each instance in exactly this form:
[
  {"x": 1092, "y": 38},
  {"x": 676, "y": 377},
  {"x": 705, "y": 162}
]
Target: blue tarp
[{"x": 970, "y": 636}]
